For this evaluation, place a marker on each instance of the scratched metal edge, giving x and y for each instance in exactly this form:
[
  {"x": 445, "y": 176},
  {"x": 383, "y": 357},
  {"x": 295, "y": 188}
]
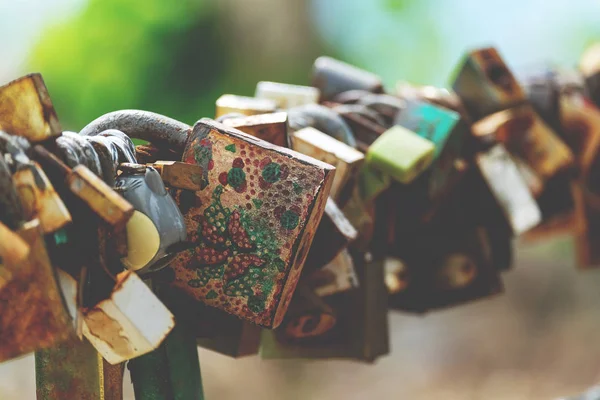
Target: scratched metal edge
[
  {"x": 48, "y": 109},
  {"x": 289, "y": 287}
]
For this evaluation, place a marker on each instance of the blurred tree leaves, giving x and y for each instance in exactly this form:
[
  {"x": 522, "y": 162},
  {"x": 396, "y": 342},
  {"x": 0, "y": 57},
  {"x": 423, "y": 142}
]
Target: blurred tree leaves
[
  {"x": 396, "y": 5},
  {"x": 171, "y": 57},
  {"x": 151, "y": 54}
]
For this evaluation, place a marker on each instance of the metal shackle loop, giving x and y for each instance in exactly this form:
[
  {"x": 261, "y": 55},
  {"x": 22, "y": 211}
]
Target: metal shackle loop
[{"x": 145, "y": 125}]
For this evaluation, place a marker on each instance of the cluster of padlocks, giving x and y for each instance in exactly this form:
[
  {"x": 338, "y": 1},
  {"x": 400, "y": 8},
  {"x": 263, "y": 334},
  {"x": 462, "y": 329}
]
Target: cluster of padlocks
[{"x": 287, "y": 226}]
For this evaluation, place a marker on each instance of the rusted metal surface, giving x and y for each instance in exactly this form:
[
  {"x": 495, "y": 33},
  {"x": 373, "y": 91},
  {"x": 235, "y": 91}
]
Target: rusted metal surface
[
  {"x": 252, "y": 223},
  {"x": 113, "y": 380},
  {"x": 26, "y": 109},
  {"x": 13, "y": 251},
  {"x": 32, "y": 312},
  {"x": 39, "y": 199},
  {"x": 149, "y": 153},
  {"x": 11, "y": 211},
  {"x": 101, "y": 198},
  {"x": 143, "y": 125},
  {"x": 527, "y": 137},
  {"x": 506, "y": 186},
  {"x": 537, "y": 145},
  {"x": 75, "y": 370},
  {"x": 346, "y": 160},
  {"x": 179, "y": 175},
  {"x": 486, "y": 85},
  {"x": 131, "y": 322},
  {"x": 269, "y": 127}
]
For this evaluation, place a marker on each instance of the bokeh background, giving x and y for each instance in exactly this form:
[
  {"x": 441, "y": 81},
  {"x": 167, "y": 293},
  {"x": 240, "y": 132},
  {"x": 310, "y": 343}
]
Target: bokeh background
[{"x": 540, "y": 340}]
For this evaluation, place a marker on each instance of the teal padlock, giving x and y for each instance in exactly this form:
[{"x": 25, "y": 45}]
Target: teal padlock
[{"x": 447, "y": 131}]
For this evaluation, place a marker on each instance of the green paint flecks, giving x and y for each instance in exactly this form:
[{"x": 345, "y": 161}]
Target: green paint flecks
[
  {"x": 236, "y": 177},
  {"x": 230, "y": 148},
  {"x": 272, "y": 172},
  {"x": 61, "y": 237},
  {"x": 257, "y": 203},
  {"x": 279, "y": 264},
  {"x": 297, "y": 188},
  {"x": 257, "y": 282},
  {"x": 289, "y": 220}
]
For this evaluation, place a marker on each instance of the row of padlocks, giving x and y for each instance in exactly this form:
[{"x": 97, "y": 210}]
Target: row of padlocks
[{"x": 287, "y": 226}]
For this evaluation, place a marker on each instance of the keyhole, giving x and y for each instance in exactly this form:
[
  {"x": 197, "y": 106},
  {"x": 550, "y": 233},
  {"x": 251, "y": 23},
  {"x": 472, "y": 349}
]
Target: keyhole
[{"x": 500, "y": 76}]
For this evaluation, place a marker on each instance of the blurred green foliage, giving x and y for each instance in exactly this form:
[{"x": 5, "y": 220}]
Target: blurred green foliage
[
  {"x": 170, "y": 57},
  {"x": 177, "y": 57},
  {"x": 161, "y": 56}
]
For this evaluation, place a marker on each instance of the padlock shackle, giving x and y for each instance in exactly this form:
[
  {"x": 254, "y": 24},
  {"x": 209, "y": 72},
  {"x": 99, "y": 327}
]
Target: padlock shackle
[
  {"x": 145, "y": 125},
  {"x": 323, "y": 119}
]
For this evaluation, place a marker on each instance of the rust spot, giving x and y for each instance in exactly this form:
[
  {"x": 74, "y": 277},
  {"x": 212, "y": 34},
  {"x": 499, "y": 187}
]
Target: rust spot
[
  {"x": 40, "y": 200},
  {"x": 13, "y": 249},
  {"x": 107, "y": 329},
  {"x": 32, "y": 314},
  {"x": 180, "y": 175},
  {"x": 26, "y": 109},
  {"x": 100, "y": 197}
]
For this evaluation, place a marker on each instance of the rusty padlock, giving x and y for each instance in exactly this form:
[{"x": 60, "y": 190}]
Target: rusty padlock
[
  {"x": 243, "y": 181},
  {"x": 486, "y": 85},
  {"x": 36, "y": 193},
  {"x": 27, "y": 110},
  {"x": 272, "y": 128},
  {"x": 32, "y": 311},
  {"x": 344, "y": 158}
]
